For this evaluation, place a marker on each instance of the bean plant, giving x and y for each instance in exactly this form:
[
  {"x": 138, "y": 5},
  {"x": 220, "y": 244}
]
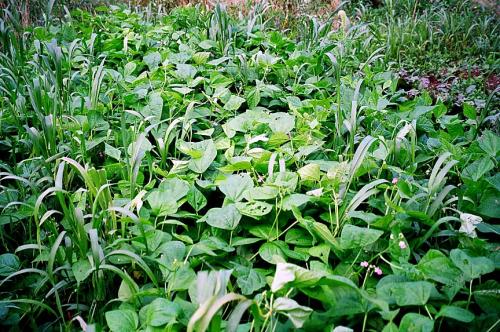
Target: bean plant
[{"x": 201, "y": 172}]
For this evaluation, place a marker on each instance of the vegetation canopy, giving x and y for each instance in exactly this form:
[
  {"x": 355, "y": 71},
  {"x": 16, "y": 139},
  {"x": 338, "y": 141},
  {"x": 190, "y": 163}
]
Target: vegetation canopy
[{"x": 201, "y": 172}]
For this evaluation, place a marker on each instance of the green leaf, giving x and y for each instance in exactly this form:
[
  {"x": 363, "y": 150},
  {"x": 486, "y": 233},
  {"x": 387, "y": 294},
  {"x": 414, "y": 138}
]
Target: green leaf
[
  {"x": 254, "y": 209},
  {"x": 227, "y": 217},
  {"x": 153, "y": 108},
  {"x": 296, "y": 313},
  {"x": 437, "y": 266},
  {"x": 390, "y": 327},
  {"x": 253, "y": 97},
  {"x": 294, "y": 103},
  {"x": 488, "y": 228},
  {"x": 356, "y": 237},
  {"x": 261, "y": 193},
  {"x": 196, "y": 199},
  {"x": 285, "y": 180},
  {"x": 250, "y": 281},
  {"x": 488, "y": 300},
  {"x": 472, "y": 267},
  {"x": 298, "y": 237},
  {"x": 490, "y": 203},
  {"x": 282, "y": 122},
  {"x": 406, "y": 293},
  {"x": 310, "y": 172},
  {"x": 271, "y": 253},
  {"x": 295, "y": 200},
  {"x": 129, "y": 69},
  {"x": 81, "y": 270},
  {"x": 293, "y": 275},
  {"x": 322, "y": 252},
  {"x": 412, "y": 322},
  {"x": 494, "y": 181},
  {"x": 182, "y": 278},
  {"x": 9, "y": 263},
  {"x": 457, "y": 313},
  {"x": 490, "y": 143},
  {"x": 234, "y": 103},
  {"x": 174, "y": 188},
  {"x": 112, "y": 152},
  {"x": 478, "y": 169},
  {"x": 185, "y": 72},
  {"x": 244, "y": 122},
  {"x": 171, "y": 252},
  {"x": 159, "y": 312},
  {"x": 152, "y": 60},
  {"x": 235, "y": 185},
  {"x": 469, "y": 111},
  {"x": 207, "y": 44},
  {"x": 125, "y": 293},
  {"x": 201, "y": 57},
  {"x": 122, "y": 320},
  {"x": 183, "y": 90},
  {"x": 164, "y": 200},
  {"x": 203, "y": 154}
]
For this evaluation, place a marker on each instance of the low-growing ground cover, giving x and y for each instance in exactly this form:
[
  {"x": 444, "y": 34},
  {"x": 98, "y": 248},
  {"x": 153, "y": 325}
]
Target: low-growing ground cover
[{"x": 200, "y": 172}]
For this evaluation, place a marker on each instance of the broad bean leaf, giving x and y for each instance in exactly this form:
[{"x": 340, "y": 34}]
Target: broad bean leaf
[
  {"x": 472, "y": 267},
  {"x": 457, "y": 313},
  {"x": 234, "y": 103},
  {"x": 297, "y": 314},
  {"x": 185, "y": 71},
  {"x": 164, "y": 200},
  {"x": 235, "y": 185},
  {"x": 159, "y": 312},
  {"x": 490, "y": 143},
  {"x": 152, "y": 60},
  {"x": 227, "y": 217},
  {"x": 356, "y": 237},
  {"x": 250, "y": 281},
  {"x": 438, "y": 267},
  {"x": 122, "y": 320},
  {"x": 412, "y": 322},
  {"x": 406, "y": 293},
  {"x": 282, "y": 122},
  {"x": 203, "y": 154},
  {"x": 295, "y": 200},
  {"x": 81, "y": 270},
  {"x": 254, "y": 209},
  {"x": 9, "y": 263},
  {"x": 196, "y": 199}
]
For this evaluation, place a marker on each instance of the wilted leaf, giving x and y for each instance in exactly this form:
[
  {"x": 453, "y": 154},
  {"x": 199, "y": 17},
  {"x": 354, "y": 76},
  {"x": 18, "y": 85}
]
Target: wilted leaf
[{"x": 296, "y": 313}]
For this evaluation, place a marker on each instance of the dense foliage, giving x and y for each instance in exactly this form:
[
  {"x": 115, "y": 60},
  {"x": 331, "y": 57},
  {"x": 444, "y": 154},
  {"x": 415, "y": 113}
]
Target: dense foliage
[{"x": 199, "y": 172}]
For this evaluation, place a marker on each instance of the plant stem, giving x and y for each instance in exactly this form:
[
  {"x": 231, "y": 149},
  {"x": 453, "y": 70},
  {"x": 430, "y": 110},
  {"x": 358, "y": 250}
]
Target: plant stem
[{"x": 470, "y": 295}]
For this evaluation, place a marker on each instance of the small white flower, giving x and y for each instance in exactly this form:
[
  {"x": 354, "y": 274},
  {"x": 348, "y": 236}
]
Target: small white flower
[
  {"x": 316, "y": 192},
  {"x": 469, "y": 222},
  {"x": 470, "y": 218}
]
